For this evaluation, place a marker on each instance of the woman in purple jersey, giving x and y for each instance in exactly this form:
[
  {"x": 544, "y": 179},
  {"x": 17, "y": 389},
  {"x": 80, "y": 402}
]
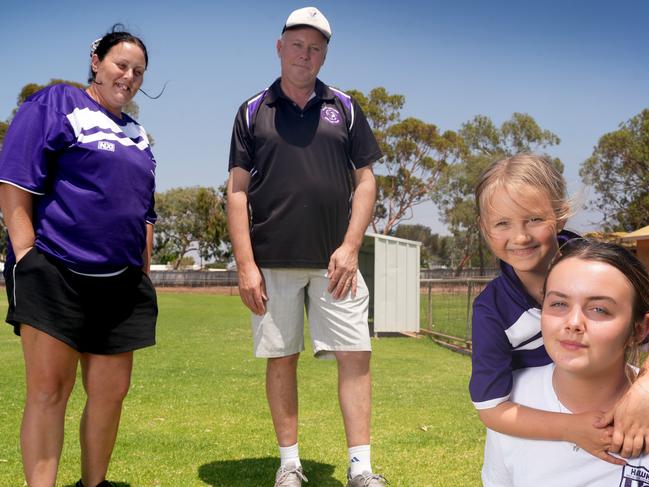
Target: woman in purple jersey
[{"x": 77, "y": 183}]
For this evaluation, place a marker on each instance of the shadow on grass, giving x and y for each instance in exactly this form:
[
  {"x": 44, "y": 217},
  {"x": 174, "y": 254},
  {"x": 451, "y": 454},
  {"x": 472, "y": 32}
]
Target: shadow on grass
[
  {"x": 116, "y": 484},
  {"x": 260, "y": 472}
]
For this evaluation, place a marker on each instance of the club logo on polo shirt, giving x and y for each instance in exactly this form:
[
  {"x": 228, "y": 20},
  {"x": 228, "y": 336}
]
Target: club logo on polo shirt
[
  {"x": 633, "y": 476},
  {"x": 331, "y": 115},
  {"x": 105, "y": 145}
]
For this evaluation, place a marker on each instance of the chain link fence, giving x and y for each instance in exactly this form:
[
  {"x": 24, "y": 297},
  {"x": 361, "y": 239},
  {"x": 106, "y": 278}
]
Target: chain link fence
[
  {"x": 465, "y": 273},
  {"x": 187, "y": 278},
  {"x": 446, "y": 310}
]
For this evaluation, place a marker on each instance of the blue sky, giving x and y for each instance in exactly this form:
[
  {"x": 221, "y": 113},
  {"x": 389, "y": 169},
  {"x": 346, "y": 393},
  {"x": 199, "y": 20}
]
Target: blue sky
[{"x": 580, "y": 67}]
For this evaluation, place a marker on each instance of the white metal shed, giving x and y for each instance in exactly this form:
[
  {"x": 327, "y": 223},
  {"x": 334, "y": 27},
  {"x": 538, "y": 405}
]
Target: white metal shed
[{"x": 390, "y": 267}]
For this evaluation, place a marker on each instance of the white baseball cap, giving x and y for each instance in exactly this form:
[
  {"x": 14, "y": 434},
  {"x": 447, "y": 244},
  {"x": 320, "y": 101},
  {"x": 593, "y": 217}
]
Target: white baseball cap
[{"x": 311, "y": 17}]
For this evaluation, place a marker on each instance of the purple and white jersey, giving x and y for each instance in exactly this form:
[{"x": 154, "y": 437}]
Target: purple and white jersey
[
  {"x": 506, "y": 336},
  {"x": 92, "y": 175}
]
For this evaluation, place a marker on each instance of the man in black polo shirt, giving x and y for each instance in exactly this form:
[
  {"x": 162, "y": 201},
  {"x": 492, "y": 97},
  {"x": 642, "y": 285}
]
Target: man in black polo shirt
[{"x": 300, "y": 196}]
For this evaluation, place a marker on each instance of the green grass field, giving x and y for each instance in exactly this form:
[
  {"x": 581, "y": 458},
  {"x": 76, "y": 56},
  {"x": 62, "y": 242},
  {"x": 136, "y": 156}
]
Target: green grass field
[{"x": 196, "y": 414}]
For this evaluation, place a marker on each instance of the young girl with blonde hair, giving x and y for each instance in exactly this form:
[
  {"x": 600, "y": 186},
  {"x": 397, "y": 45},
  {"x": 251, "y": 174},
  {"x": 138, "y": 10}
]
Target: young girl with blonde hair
[{"x": 523, "y": 209}]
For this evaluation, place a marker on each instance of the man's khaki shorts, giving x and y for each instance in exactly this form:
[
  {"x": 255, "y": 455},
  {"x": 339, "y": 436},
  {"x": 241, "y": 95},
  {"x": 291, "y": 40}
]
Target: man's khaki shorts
[{"x": 335, "y": 325}]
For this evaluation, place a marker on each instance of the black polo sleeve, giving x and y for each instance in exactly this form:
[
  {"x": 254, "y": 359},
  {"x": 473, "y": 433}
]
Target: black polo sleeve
[
  {"x": 242, "y": 143},
  {"x": 363, "y": 147}
]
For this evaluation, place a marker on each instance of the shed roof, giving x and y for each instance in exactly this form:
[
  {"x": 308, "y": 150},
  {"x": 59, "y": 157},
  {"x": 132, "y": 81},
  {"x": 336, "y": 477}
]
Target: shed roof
[
  {"x": 380, "y": 236},
  {"x": 640, "y": 234}
]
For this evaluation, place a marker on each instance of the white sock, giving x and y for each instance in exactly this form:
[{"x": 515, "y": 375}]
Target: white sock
[
  {"x": 359, "y": 460},
  {"x": 288, "y": 454}
]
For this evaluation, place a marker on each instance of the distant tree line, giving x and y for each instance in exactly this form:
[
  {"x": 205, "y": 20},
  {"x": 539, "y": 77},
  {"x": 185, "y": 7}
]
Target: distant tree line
[
  {"x": 421, "y": 164},
  {"x": 190, "y": 220}
]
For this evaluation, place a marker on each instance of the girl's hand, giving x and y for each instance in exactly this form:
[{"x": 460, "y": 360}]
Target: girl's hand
[
  {"x": 596, "y": 440},
  {"x": 630, "y": 419}
]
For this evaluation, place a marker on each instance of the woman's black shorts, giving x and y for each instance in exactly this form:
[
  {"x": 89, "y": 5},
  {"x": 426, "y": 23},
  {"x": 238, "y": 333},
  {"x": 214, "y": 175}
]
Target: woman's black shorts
[{"x": 100, "y": 315}]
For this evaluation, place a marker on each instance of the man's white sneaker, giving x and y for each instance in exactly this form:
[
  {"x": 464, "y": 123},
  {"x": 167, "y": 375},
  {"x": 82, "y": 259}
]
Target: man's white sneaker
[
  {"x": 366, "y": 479},
  {"x": 290, "y": 475}
]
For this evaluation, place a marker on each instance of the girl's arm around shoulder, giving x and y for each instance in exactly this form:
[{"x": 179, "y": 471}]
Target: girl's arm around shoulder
[{"x": 516, "y": 420}]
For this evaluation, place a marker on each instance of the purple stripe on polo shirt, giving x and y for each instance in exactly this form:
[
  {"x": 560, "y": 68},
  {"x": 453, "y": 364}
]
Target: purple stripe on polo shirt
[
  {"x": 346, "y": 100},
  {"x": 343, "y": 97},
  {"x": 253, "y": 105}
]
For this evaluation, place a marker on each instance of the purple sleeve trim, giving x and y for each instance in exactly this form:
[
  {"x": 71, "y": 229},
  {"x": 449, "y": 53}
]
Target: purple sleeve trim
[{"x": 252, "y": 107}]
